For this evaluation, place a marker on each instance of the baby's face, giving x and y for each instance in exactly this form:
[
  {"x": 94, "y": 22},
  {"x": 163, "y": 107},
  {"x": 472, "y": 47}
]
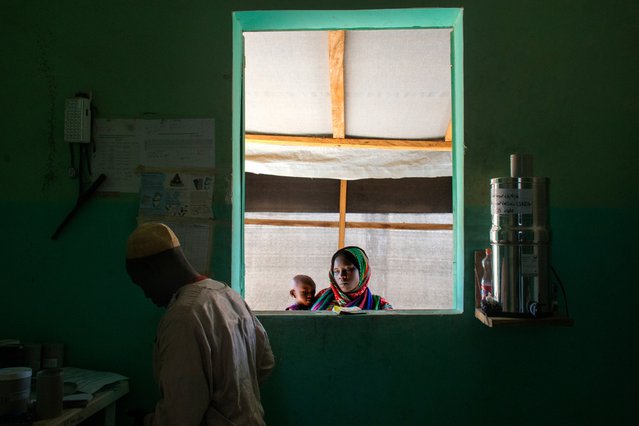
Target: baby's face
[{"x": 303, "y": 293}]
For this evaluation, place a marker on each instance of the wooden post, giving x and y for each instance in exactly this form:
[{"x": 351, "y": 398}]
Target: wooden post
[
  {"x": 336, "y": 67},
  {"x": 342, "y": 212}
]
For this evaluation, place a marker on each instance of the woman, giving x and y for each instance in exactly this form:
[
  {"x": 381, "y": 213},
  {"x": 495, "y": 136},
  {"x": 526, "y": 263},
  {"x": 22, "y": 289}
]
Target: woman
[{"x": 349, "y": 276}]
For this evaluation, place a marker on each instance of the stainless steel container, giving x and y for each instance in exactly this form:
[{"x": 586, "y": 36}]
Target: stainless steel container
[{"x": 520, "y": 240}]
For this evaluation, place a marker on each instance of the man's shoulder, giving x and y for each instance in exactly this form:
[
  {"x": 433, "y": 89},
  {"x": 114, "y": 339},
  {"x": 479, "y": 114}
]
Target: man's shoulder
[
  {"x": 211, "y": 284},
  {"x": 196, "y": 296},
  {"x": 210, "y": 288},
  {"x": 191, "y": 293}
]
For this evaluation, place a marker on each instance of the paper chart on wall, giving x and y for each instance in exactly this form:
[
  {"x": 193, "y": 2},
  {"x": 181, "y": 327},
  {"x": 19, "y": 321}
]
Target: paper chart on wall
[
  {"x": 176, "y": 194},
  {"x": 124, "y": 146},
  {"x": 179, "y": 143},
  {"x": 117, "y": 154}
]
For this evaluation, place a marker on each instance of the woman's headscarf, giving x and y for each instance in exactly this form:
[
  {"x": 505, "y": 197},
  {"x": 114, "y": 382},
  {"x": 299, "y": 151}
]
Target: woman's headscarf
[{"x": 361, "y": 296}]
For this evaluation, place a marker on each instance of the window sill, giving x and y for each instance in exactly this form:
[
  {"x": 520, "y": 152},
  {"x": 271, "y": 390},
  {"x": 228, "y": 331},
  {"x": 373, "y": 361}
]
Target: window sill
[{"x": 392, "y": 312}]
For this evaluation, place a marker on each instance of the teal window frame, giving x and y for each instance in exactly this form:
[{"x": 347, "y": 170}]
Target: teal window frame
[{"x": 380, "y": 19}]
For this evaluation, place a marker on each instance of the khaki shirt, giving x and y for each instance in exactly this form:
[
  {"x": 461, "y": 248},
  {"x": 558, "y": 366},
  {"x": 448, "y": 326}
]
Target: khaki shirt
[{"x": 210, "y": 354}]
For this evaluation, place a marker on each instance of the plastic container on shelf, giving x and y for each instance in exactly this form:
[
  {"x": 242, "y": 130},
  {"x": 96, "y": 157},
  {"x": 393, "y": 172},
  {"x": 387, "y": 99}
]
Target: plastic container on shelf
[
  {"x": 489, "y": 304},
  {"x": 487, "y": 278},
  {"x": 49, "y": 393},
  {"x": 15, "y": 387}
]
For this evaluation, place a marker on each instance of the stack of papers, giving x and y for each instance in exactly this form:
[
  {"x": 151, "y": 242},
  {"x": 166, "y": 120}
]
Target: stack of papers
[{"x": 88, "y": 381}]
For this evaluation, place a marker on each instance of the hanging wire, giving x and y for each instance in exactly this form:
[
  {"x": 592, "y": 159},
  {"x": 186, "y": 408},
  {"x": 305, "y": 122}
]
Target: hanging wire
[
  {"x": 563, "y": 289},
  {"x": 80, "y": 170}
]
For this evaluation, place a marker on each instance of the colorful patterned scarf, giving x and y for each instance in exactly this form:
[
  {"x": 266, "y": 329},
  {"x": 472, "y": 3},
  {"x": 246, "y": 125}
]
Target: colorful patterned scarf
[{"x": 361, "y": 296}]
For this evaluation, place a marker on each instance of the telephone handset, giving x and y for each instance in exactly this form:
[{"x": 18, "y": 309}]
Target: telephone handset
[
  {"x": 77, "y": 131},
  {"x": 77, "y": 120}
]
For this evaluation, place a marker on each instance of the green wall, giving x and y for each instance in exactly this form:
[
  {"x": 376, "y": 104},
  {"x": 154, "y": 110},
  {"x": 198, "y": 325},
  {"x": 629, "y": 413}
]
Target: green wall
[{"x": 554, "y": 78}]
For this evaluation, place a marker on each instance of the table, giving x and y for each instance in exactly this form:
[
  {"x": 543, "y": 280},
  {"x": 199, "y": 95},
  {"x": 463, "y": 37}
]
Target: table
[{"x": 101, "y": 407}]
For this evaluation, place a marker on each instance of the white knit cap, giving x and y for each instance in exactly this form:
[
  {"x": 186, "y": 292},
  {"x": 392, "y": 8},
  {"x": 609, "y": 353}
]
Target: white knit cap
[{"x": 149, "y": 239}]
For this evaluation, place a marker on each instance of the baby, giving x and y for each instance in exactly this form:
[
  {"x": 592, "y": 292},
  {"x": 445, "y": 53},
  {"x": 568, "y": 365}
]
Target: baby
[{"x": 303, "y": 292}]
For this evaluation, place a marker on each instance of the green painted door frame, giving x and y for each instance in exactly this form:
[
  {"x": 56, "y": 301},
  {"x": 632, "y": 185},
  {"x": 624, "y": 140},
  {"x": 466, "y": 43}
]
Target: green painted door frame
[{"x": 292, "y": 20}]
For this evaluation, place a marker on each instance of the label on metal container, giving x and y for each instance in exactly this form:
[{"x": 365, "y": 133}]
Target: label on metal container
[
  {"x": 50, "y": 363},
  {"x": 529, "y": 264},
  {"x": 511, "y": 201}
]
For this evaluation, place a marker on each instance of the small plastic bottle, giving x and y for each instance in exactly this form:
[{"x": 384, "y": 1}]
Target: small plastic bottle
[{"x": 487, "y": 279}]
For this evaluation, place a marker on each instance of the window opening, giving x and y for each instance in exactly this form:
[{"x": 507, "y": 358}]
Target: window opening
[{"x": 293, "y": 224}]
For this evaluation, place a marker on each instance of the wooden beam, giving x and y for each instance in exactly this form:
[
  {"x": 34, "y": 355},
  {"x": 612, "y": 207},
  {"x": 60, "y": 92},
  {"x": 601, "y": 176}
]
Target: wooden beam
[
  {"x": 396, "y": 144},
  {"x": 354, "y": 225},
  {"x": 336, "y": 69},
  {"x": 449, "y": 132},
  {"x": 404, "y": 226},
  {"x": 343, "y": 186},
  {"x": 288, "y": 222}
]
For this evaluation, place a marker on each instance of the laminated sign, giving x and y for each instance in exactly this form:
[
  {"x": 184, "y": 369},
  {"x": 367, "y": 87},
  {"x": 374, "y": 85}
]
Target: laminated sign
[{"x": 511, "y": 201}]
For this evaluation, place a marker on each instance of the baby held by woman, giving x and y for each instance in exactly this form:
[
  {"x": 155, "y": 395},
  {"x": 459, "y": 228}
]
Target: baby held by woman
[{"x": 303, "y": 291}]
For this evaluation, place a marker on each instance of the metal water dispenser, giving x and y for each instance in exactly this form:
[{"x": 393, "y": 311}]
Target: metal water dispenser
[{"x": 520, "y": 241}]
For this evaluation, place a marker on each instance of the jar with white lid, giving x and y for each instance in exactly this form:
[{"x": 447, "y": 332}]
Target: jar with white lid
[{"x": 15, "y": 389}]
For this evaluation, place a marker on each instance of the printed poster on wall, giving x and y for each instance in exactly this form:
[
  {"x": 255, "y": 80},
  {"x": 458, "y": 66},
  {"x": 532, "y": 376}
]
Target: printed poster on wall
[{"x": 176, "y": 194}]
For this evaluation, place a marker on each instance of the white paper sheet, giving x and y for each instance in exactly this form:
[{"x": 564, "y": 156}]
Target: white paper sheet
[
  {"x": 124, "y": 146},
  {"x": 117, "y": 154},
  {"x": 89, "y": 381},
  {"x": 181, "y": 144}
]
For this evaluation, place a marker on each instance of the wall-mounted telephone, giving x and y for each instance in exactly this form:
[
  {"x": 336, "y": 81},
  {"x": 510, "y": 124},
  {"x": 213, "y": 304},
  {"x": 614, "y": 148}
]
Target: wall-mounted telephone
[{"x": 77, "y": 120}]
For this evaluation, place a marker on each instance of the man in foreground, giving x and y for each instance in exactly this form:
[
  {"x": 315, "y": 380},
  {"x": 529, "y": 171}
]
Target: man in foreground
[{"x": 211, "y": 352}]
